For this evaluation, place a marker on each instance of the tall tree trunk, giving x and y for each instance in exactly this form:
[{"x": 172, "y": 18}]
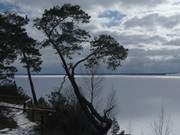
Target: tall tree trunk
[
  {"x": 101, "y": 123},
  {"x": 92, "y": 87},
  {"x": 30, "y": 79}
]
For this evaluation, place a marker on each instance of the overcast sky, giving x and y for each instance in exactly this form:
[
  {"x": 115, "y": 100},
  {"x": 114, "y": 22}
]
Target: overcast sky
[{"x": 150, "y": 29}]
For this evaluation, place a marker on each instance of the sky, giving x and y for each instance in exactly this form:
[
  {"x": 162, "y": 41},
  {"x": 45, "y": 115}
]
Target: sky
[{"x": 150, "y": 29}]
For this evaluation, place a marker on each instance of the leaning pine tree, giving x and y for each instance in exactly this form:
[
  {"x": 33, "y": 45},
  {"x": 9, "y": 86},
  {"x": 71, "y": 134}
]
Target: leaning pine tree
[
  {"x": 30, "y": 56},
  {"x": 61, "y": 25},
  {"x": 7, "y": 51},
  {"x": 17, "y": 40},
  {"x": 31, "y": 59}
]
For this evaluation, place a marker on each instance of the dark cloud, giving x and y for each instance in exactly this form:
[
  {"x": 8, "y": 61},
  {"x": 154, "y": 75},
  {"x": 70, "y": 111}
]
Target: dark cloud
[
  {"x": 152, "y": 61},
  {"x": 174, "y": 42},
  {"x": 141, "y": 39},
  {"x": 136, "y": 39},
  {"x": 143, "y": 2},
  {"x": 153, "y": 21}
]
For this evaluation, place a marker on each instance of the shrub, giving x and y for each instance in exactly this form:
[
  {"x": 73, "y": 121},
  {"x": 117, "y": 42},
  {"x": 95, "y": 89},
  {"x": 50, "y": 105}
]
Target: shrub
[
  {"x": 9, "y": 92},
  {"x": 69, "y": 119}
]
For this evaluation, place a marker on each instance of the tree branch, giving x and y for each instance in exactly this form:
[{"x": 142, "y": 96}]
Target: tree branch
[
  {"x": 59, "y": 53},
  {"x": 62, "y": 83},
  {"x": 107, "y": 111},
  {"x": 82, "y": 60}
]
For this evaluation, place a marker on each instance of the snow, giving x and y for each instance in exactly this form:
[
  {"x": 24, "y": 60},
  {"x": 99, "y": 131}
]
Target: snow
[{"x": 24, "y": 125}]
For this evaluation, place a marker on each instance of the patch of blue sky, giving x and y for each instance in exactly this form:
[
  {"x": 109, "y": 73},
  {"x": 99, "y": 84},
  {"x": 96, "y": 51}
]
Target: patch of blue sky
[
  {"x": 4, "y": 7},
  {"x": 114, "y": 17}
]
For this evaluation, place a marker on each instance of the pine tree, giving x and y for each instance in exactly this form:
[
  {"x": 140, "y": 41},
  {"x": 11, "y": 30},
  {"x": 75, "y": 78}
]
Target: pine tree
[
  {"x": 63, "y": 31},
  {"x": 16, "y": 42}
]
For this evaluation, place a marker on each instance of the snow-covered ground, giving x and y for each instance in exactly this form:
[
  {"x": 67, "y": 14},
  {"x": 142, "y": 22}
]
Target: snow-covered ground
[{"x": 24, "y": 125}]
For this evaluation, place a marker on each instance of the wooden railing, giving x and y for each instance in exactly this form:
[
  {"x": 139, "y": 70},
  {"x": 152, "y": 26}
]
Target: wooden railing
[{"x": 29, "y": 107}]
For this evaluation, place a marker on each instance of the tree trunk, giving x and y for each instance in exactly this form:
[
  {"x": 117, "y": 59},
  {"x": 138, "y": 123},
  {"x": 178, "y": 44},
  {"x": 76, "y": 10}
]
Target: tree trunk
[
  {"x": 30, "y": 79},
  {"x": 31, "y": 85},
  {"x": 92, "y": 88},
  {"x": 101, "y": 123}
]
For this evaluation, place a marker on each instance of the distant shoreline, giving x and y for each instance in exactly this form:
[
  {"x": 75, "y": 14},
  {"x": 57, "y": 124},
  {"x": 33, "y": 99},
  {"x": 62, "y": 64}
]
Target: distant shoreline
[
  {"x": 128, "y": 74},
  {"x": 106, "y": 74}
]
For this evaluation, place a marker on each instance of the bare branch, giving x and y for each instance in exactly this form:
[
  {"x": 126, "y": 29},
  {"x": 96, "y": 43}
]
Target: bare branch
[
  {"x": 162, "y": 126},
  {"x": 62, "y": 83},
  {"x": 108, "y": 111}
]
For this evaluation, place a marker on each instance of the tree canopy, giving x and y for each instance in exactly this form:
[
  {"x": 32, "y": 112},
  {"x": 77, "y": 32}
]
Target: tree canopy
[
  {"x": 63, "y": 29},
  {"x": 10, "y": 27},
  {"x": 16, "y": 43}
]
